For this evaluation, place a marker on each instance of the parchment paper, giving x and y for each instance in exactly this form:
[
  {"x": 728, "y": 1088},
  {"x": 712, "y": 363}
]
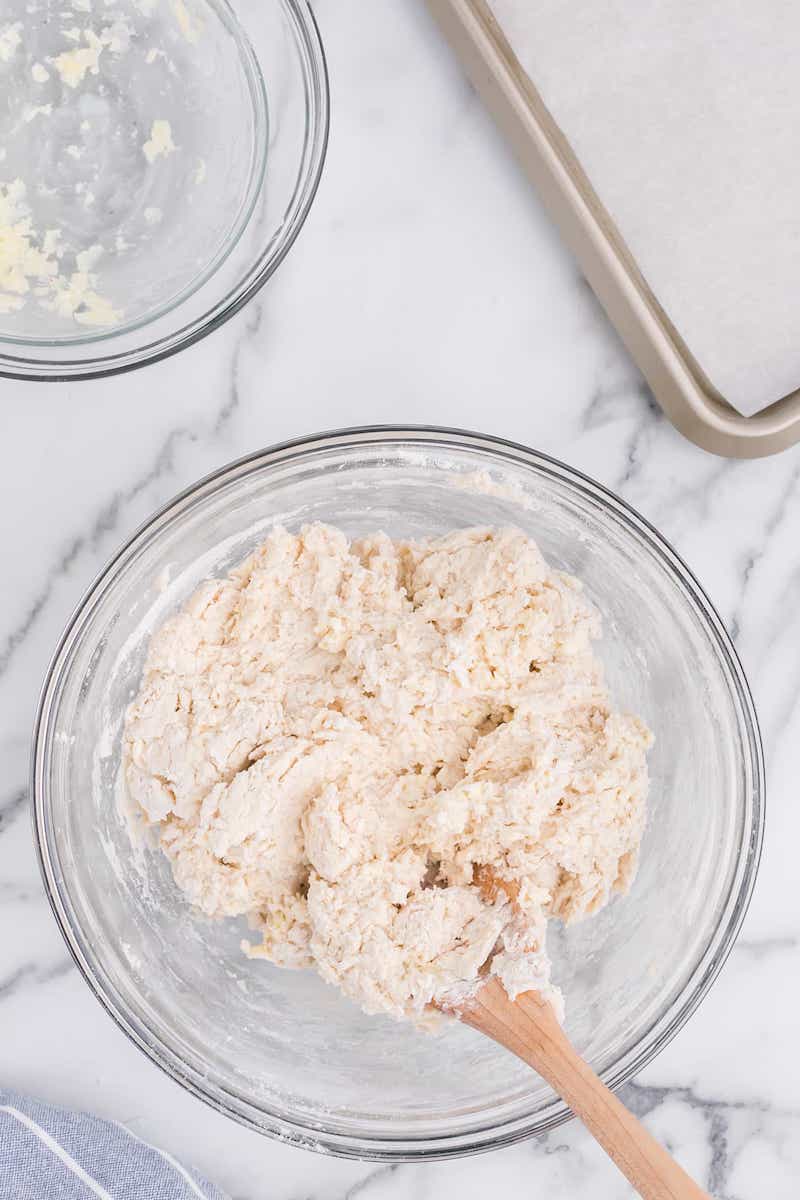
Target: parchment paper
[{"x": 685, "y": 116}]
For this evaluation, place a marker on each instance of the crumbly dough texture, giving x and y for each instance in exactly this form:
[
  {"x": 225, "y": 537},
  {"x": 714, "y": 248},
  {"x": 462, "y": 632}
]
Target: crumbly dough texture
[{"x": 342, "y": 738}]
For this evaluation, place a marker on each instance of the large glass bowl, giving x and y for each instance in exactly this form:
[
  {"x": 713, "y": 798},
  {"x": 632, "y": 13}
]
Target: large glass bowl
[
  {"x": 280, "y": 1050},
  {"x": 177, "y": 172}
]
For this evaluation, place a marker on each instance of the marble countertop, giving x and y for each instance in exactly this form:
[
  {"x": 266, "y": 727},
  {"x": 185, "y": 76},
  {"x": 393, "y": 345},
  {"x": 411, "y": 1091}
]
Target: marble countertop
[{"x": 428, "y": 286}]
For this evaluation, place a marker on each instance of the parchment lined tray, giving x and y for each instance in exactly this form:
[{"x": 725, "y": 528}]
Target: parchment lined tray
[{"x": 724, "y": 285}]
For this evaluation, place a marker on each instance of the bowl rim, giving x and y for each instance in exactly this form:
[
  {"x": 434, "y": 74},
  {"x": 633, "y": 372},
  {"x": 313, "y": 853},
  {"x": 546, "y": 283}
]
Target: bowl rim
[
  {"x": 406, "y": 1146},
  {"x": 39, "y": 369}
]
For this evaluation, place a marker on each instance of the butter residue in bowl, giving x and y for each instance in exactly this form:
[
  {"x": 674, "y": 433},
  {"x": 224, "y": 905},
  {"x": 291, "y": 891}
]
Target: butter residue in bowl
[
  {"x": 31, "y": 263},
  {"x": 72, "y": 65},
  {"x": 160, "y": 142},
  {"x": 339, "y": 738},
  {"x": 80, "y": 168}
]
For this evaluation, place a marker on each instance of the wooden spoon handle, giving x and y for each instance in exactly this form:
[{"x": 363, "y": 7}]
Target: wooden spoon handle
[{"x": 529, "y": 1028}]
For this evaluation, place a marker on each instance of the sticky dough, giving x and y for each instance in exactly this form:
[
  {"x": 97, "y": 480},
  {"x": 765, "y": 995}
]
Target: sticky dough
[{"x": 340, "y": 738}]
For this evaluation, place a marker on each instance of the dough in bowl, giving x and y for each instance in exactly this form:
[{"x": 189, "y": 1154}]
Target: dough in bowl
[{"x": 351, "y": 743}]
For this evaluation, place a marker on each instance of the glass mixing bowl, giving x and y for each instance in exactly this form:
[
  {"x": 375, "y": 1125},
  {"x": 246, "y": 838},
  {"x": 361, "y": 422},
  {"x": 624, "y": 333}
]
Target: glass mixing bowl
[
  {"x": 280, "y": 1050},
  {"x": 158, "y": 160}
]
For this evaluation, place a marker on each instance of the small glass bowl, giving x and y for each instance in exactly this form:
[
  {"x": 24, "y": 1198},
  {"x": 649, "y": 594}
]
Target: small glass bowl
[
  {"x": 280, "y": 1050},
  {"x": 174, "y": 174}
]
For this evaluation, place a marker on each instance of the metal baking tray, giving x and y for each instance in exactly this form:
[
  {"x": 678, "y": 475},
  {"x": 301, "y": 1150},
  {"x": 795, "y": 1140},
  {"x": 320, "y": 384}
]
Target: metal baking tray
[{"x": 677, "y": 382}]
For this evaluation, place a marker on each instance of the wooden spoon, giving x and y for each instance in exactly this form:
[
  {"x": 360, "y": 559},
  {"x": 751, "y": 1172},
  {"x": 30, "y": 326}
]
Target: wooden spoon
[{"x": 529, "y": 1028}]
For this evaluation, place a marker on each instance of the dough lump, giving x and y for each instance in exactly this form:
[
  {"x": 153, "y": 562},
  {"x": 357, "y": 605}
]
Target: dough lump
[{"x": 344, "y": 740}]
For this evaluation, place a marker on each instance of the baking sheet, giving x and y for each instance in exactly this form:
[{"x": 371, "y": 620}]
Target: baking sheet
[{"x": 684, "y": 117}]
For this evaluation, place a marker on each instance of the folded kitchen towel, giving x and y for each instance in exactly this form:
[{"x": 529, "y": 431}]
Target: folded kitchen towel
[{"x": 48, "y": 1153}]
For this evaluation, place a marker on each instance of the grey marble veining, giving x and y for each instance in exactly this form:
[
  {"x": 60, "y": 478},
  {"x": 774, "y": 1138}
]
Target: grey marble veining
[{"x": 427, "y": 286}]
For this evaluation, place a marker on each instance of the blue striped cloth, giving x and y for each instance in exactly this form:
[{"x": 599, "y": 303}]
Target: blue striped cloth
[{"x": 47, "y": 1153}]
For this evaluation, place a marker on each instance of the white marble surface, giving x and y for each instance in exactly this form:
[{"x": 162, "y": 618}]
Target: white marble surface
[{"x": 428, "y": 286}]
